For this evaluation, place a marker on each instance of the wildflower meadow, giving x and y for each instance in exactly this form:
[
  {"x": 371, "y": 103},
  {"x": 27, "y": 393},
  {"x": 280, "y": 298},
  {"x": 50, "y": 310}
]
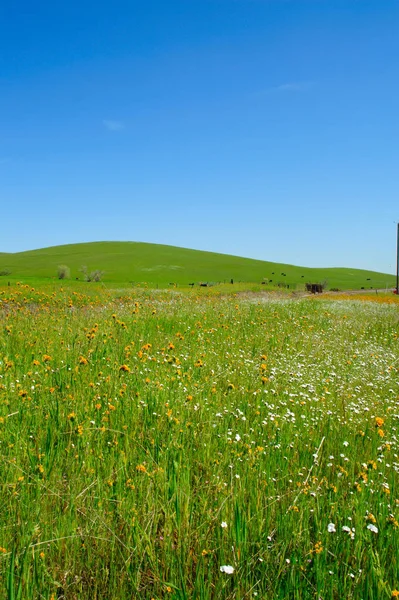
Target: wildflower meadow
[{"x": 187, "y": 445}]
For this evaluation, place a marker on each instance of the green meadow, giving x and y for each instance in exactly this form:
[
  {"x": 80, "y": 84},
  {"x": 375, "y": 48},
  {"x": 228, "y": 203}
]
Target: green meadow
[
  {"x": 133, "y": 263},
  {"x": 166, "y": 444}
]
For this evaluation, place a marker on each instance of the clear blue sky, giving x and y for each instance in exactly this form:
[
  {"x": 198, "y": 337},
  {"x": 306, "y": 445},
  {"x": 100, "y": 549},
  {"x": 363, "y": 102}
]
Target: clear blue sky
[{"x": 261, "y": 128}]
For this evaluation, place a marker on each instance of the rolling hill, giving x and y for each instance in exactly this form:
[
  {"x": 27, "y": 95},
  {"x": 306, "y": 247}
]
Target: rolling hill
[{"x": 134, "y": 262}]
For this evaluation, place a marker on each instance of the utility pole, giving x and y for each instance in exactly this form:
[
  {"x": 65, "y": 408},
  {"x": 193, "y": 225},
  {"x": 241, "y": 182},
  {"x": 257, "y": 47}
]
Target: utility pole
[{"x": 397, "y": 262}]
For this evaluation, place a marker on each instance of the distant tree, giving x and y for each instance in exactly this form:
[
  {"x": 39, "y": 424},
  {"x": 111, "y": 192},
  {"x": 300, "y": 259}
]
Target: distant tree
[
  {"x": 93, "y": 275},
  {"x": 63, "y": 272},
  {"x": 96, "y": 275}
]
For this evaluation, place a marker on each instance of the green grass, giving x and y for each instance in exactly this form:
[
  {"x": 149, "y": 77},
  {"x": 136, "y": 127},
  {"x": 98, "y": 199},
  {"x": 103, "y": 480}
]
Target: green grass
[
  {"x": 127, "y": 262},
  {"x": 133, "y": 425}
]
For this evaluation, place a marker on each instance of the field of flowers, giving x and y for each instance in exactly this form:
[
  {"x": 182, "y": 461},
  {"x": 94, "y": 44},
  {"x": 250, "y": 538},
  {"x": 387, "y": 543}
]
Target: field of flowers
[{"x": 171, "y": 445}]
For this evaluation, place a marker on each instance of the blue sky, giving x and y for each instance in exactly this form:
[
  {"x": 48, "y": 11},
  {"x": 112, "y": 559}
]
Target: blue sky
[{"x": 261, "y": 128}]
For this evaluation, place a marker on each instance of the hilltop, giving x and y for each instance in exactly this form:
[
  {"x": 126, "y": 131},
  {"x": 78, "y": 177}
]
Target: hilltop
[{"x": 139, "y": 262}]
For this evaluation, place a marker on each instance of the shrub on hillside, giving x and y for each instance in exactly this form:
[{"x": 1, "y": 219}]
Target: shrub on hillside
[
  {"x": 63, "y": 272},
  {"x": 93, "y": 275}
]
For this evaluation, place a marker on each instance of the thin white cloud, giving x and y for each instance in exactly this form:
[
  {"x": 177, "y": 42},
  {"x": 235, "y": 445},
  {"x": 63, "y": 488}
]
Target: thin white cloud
[
  {"x": 292, "y": 86},
  {"x": 112, "y": 125}
]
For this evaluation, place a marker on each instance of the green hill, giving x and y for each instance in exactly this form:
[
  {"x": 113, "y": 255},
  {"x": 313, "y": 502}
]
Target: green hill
[{"x": 156, "y": 264}]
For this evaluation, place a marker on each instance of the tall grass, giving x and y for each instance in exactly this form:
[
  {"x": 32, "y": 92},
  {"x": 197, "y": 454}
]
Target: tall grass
[{"x": 148, "y": 440}]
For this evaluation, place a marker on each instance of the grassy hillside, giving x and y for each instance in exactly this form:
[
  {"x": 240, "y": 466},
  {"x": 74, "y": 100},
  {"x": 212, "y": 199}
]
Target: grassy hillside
[{"x": 156, "y": 264}]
